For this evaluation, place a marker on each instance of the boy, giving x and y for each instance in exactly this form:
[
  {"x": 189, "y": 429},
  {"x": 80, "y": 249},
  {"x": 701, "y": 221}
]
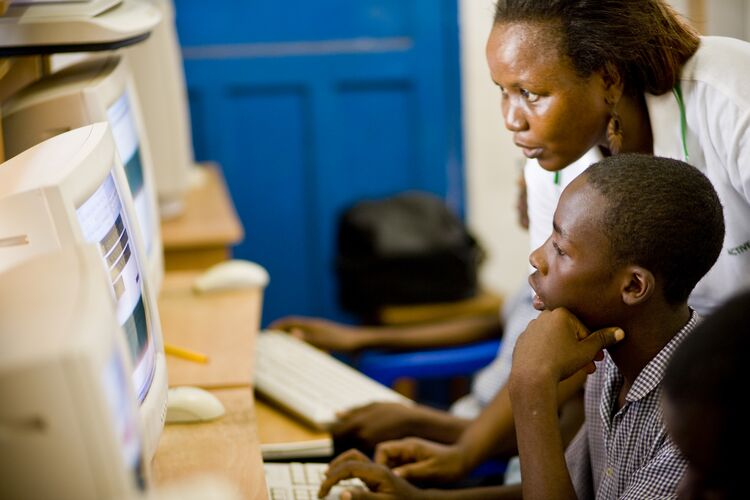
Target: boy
[{"x": 632, "y": 236}]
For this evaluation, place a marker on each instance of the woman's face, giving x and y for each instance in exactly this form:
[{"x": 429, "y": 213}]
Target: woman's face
[{"x": 554, "y": 114}]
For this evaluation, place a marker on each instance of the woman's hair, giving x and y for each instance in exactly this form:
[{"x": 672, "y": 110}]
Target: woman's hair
[{"x": 646, "y": 41}]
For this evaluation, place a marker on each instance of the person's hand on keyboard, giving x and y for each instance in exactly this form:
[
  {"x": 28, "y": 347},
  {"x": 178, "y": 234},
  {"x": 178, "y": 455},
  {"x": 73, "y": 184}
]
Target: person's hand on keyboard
[
  {"x": 383, "y": 484},
  {"x": 371, "y": 424},
  {"x": 417, "y": 459},
  {"x": 321, "y": 333},
  {"x": 366, "y": 426}
]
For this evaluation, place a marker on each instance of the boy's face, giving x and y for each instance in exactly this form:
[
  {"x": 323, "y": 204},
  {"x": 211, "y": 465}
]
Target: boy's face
[{"x": 574, "y": 267}]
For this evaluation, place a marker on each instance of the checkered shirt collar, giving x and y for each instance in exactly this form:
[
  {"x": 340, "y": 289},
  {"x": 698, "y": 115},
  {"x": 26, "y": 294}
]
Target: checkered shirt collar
[{"x": 652, "y": 374}]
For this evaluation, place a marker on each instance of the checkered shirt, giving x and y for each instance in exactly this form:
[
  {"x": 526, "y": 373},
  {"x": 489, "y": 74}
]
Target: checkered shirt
[{"x": 627, "y": 454}]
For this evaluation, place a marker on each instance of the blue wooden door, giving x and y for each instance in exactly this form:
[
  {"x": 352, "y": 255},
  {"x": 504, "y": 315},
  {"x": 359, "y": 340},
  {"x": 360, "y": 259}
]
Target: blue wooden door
[{"x": 309, "y": 106}]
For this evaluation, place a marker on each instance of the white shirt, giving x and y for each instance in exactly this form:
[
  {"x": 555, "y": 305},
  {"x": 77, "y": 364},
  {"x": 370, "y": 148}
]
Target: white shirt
[
  {"x": 716, "y": 94},
  {"x": 542, "y": 191}
]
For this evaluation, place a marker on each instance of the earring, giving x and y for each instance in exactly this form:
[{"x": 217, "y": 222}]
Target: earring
[{"x": 614, "y": 132}]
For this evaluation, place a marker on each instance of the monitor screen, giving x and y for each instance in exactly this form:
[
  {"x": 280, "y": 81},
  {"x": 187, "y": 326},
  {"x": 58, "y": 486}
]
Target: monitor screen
[
  {"x": 125, "y": 132},
  {"x": 103, "y": 221},
  {"x": 98, "y": 88}
]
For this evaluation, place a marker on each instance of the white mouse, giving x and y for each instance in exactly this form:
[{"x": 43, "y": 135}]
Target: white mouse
[
  {"x": 231, "y": 275},
  {"x": 192, "y": 404}
]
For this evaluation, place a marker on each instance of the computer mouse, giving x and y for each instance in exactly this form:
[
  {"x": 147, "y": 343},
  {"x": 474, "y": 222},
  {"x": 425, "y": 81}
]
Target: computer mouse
[
  {"x": 192, "y": 404},
  {"x": 231, "y": 275}
]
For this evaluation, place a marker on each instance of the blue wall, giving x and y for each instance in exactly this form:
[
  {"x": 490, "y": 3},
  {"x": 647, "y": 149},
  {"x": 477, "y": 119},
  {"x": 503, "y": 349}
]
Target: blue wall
[{"x": 311, "y": 106}]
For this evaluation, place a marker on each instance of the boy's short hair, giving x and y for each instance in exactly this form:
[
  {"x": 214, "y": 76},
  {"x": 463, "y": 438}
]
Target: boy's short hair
[{"x": 663, "y": 215}]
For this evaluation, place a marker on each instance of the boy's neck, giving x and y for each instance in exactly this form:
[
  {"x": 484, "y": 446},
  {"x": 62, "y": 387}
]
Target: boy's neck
[{"x": 647, "y": 330}]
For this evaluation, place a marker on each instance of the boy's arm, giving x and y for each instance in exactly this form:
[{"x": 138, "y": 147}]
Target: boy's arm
[
  {"x": 543, "y": 467},
  {"x": 339, "y": 337},
  {"x": 377, "y": 422},
  {"x": 553, "y": 347}
]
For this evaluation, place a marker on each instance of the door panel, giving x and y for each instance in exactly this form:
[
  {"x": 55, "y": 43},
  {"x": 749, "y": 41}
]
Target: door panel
[{"x": 312, "y": 106}]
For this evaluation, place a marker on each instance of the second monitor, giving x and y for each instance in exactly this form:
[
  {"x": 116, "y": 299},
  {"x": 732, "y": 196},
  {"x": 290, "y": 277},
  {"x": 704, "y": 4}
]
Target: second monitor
[{"x": 97, "y": 89}]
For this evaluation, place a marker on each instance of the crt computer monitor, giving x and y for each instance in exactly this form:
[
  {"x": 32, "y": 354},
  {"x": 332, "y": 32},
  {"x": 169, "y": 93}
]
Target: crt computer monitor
[
  {"x": 99, "y": 88},
  {"x": 156, "y": 66},
  {"x": 72, "y": 189},
  {"x": 69, "y": 416}
]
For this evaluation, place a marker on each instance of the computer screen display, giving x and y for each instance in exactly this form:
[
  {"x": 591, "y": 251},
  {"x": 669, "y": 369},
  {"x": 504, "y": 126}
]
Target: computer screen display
[
  {"x": 103, "y": 221},
  {"x": 98, "y": 88},
  {"x": 125, "y": 132}
]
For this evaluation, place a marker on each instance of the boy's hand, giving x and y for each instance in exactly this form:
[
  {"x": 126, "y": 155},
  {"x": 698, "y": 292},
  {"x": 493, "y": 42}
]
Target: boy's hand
[
  {"x": 556, "y": 344},
  {"x": 374, "y": 423},
  {"x": 383, "y": 483},
  {"x": 321, "y": 333},
  {"x": 417, "y": 459}
]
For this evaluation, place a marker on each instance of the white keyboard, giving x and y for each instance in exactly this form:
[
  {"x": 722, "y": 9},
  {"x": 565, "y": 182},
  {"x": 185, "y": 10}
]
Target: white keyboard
[
  {"x": 301, "y": 481},
  {"x": 311, "y": 383}
]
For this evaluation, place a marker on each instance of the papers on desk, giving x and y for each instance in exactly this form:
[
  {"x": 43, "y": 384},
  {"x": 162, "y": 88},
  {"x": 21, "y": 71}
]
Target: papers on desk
[{"x": 311, "y": 448}]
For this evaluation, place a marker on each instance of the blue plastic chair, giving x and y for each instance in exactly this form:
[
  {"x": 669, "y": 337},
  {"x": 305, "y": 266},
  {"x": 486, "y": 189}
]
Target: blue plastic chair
[{"x": 387, "y": 366}]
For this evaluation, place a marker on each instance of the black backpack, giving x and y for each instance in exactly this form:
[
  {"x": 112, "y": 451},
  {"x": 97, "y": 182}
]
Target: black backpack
[{"x": 405, "y": 249}]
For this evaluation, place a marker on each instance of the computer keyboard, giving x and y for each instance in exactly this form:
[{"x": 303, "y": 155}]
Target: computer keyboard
[
  {"x": 311, "y": 383},
  {"x": 298, "y": 481}
]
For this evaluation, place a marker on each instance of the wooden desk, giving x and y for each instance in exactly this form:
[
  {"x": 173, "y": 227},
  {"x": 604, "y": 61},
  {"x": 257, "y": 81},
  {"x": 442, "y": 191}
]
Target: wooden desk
[
  {"x": 276, "y": 426},
  {"x": 205, "y": 232},
  {"x": 223, "y": 326},
  {"x": 228, "y": 447}
]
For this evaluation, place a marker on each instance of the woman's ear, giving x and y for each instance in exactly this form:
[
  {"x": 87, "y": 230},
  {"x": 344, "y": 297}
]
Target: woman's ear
[
  {"x": 638, "y": 286},
  {"x": 613, "y": 84}
]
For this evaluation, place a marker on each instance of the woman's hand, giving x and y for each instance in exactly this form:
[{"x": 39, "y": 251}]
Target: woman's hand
[
  {"x": 416, "y": 459},
  {"x": 321, "y": 333},
  {"x": 382, "y": 483}
]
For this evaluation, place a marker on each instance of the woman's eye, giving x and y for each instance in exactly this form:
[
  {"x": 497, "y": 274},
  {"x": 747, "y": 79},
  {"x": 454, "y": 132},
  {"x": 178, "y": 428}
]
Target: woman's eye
[
  {"x": 502, "y": 90},
  {"x": 529, "y": 96}
]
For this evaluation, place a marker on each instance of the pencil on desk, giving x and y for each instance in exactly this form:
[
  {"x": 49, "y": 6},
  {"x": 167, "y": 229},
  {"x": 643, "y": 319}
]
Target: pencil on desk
[{"x": 183, "y": 353}]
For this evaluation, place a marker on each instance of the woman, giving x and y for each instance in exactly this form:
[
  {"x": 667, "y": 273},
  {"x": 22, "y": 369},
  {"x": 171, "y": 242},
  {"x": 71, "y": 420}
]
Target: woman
[
  {"x": 630, "y": 76},
  {"x": 614, "y": 76}
]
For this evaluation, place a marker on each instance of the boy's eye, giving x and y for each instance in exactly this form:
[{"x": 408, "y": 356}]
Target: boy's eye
[
  {"x": 529, "y": 96},
  {"x": 557, "y": 248}
]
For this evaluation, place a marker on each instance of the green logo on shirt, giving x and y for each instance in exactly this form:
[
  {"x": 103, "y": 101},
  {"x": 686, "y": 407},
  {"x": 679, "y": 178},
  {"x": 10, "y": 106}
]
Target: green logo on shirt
[{"x": 745, "y": 247}]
